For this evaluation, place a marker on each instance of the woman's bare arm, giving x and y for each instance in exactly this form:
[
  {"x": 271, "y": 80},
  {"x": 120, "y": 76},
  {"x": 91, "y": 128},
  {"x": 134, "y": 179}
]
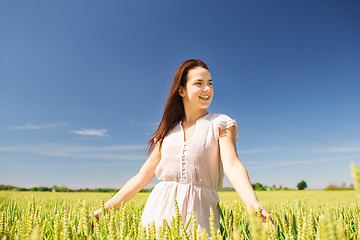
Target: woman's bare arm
[
  {"x": 237, "y": 173},
  {"x": 135, "y": 184},
  {"x": 235, "y": 170}
]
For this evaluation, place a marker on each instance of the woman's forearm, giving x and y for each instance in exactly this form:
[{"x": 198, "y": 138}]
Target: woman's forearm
[
  {"x": 135, "y": 184},
  {"x": 239, "y": 178},
  {"x": 129, "y": 190}
]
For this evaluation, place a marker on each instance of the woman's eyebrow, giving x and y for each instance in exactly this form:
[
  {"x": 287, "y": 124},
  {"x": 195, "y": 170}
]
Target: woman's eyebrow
[{"x": 199, "y": 79}]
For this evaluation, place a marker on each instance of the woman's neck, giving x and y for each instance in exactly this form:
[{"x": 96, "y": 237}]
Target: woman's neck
[{"x": 191, "y": 116}]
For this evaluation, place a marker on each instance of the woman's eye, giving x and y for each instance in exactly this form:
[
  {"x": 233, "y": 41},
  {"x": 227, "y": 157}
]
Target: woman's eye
[
  {"x": 198, "y": 83},
  {"x": 210, "y": 83}
]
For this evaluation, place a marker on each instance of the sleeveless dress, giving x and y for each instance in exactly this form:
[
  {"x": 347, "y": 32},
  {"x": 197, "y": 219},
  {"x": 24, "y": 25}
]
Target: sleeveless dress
[{"x": 190, "y": 172}]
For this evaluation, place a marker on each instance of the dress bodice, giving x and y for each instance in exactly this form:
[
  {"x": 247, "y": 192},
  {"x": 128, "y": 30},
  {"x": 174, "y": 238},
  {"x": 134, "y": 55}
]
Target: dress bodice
[{"x": 197, "y": 160}]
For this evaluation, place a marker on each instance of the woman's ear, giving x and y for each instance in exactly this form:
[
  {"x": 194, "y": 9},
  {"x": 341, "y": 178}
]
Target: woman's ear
[{"x": 181, "y": 92}]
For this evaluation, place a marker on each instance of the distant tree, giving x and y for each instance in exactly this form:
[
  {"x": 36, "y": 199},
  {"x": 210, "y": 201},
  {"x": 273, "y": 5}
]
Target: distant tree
[
  {"x": 146, "y": 189},
  {"x": 302, "y": 185},
  {"x": 331, "y": 187},
  {"x": 55, "y": 188},
  {"x": 44, "y": 189},
  {"x": 63, "y": 189},
  {"x": 342, "y": 187},
  {"x": 6, "y": 187},
  {"x": 258, "y": 187},
  {"x": 34, "y": 189}
]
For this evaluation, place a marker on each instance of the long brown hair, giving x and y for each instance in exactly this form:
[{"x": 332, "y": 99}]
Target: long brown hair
[{"x": 174, "y": 108}]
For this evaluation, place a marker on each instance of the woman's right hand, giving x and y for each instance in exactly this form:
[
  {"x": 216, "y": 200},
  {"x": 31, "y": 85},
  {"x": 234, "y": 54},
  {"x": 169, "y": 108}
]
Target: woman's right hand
[
  {"x": 96, "y": 214},
  {"x": 264, "y": 214}
]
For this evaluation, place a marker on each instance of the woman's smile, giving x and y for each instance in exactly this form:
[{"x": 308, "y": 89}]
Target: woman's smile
[{"x": 205, "y": 98}]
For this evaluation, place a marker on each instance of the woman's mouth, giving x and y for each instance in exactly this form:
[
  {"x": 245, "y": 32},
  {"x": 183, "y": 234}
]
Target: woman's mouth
[{"x": 205, "y": 98}]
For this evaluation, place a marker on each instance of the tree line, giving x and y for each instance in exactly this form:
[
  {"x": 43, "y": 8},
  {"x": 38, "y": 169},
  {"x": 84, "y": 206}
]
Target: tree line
[{"x": 256, "y": 186}]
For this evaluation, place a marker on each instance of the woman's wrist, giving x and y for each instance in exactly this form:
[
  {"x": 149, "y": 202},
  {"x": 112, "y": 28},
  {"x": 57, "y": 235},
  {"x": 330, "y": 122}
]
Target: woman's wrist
[
  {"x": 258, "y": 209},
  {"x": 255, "y": 206}
]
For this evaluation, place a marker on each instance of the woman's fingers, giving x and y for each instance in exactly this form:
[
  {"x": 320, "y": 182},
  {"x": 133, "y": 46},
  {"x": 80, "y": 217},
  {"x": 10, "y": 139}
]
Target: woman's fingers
[
  {"x": 264, "y": 215},
  {"x": 95, "y": 216}
]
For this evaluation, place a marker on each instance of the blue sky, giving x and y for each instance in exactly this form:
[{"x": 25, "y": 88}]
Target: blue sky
[{"x": 83, "y": 85}]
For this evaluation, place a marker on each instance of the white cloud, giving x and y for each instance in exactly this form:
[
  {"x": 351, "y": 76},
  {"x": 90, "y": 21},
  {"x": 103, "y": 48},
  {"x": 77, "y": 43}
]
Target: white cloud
[
  {"x": 37, "y": 127},
  {"x": 112, "y": 152},
  {"x": 67, "y": 148},
  {"x": 91, "y": 132},
  {"x": 109, "y": 156},
  {"x": 341, "y": 149},
  {"x": 257, "y": 151},
  {"x": 289, "y": 163},
  {"x": 71, "y": 165},
  {"x": 345, "y": 148}
]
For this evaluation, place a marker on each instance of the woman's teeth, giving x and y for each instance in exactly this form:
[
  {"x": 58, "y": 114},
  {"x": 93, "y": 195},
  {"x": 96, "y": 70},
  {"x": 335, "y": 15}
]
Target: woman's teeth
[{"x": 205, "y": 97}]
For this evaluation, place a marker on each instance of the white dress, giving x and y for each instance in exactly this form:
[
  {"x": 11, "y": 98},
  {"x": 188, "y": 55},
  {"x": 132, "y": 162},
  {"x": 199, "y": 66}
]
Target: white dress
[{"x": 190, "y": 172}]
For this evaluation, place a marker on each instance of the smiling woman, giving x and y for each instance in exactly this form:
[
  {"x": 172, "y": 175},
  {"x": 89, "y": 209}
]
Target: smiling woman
[
  {"x": 190, "y": 152},
  {"x": 195, "y": 70}
]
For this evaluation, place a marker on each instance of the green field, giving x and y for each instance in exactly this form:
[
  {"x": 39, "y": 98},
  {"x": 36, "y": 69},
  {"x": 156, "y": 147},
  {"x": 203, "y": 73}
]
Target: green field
[{"x": 305, "y": 214}]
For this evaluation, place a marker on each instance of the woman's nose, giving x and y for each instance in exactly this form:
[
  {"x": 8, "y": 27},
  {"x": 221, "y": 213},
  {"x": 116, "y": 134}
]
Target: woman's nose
[{"x": 207, "y": 88}]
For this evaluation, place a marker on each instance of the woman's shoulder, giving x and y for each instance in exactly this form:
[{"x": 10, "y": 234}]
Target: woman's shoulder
[
  {"x": 220, "y": 117},
  {"x": 223, "y": 121}
]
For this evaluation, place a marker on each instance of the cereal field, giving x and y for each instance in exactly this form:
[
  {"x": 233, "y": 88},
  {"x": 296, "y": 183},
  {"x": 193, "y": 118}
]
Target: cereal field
[{"x": 297, "y": 215}]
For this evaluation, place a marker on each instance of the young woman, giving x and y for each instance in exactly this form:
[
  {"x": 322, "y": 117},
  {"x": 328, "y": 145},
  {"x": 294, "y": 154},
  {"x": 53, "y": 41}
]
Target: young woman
[{"x": 190, "y": 151}]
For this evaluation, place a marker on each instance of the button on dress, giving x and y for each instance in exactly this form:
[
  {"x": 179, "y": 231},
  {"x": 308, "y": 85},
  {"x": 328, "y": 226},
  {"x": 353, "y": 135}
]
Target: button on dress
[{"x": 191, "y": 172}]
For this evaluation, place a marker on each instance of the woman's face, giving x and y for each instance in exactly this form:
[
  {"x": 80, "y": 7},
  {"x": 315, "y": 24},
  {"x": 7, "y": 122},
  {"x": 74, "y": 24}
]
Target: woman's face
[{"x": 199, "y": 91}]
